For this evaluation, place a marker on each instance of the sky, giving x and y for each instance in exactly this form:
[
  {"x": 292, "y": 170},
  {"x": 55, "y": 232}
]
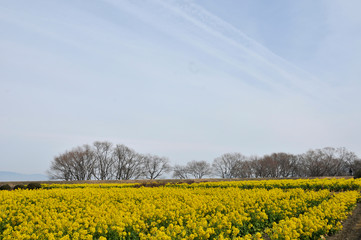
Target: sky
[{"x": 189, "y": 80}]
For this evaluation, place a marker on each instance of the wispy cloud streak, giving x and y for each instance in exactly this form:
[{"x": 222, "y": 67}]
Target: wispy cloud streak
[{"x": 240, "y": 52}]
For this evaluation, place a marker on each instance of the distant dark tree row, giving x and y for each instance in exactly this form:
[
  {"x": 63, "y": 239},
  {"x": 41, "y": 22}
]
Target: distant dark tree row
[
  {"x": 314, "y": 163},
  {"x": 30, "y": 186},
  {"x": 103, "y": 161}
]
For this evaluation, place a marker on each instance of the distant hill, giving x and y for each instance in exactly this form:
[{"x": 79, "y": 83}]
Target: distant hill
[{"x": 13, "y": 176}]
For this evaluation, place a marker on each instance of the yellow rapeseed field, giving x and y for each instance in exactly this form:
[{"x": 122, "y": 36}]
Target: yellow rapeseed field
[{"x": 219, "y": 210}]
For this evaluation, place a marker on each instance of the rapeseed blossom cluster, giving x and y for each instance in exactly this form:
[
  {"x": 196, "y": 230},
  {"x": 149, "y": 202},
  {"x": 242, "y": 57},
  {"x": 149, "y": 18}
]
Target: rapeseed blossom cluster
[
  {"x": 172, "y": 212},
  {"x": 332, "y": 184},
  {"x": 316, "y": 221}
]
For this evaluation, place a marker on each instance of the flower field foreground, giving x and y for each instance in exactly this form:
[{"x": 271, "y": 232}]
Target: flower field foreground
[
  {"x": 172, "y": 213},
  {"x": 331, "y": 184}
]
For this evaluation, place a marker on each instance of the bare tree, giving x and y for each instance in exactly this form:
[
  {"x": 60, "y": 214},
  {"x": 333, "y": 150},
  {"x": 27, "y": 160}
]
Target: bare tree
[
  {"x": 259, "y": 166},
  {"x": 82, "y": 162},
  {"x": 313, "y": 164},
  {"x": 61, "y": 168},
  {"x": 180, "y": 172},
  {"x": 127, "y": 163},
  {"x": 199, "y": 169},
  {"x": 228, "y": 165},
  {"x": 243, "y": 169},
  {"x": 333, "y": 164},
  {"x": 350, "y": 159},
  {"x": 74, "y": 165},
  {"x": 355, "y": 167},
  {"x": 327, "y": 161},
  {"x": 154, "y": 166},
  {"x": 298, "y": 169},
  {"x": 103, "y": 157},
  {"x": 270, "y": 165},
  {"x": 286, "y": 164}
]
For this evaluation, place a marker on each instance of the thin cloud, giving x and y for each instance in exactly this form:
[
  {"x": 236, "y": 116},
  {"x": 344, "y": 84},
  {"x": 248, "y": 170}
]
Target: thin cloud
[
  {"x": 253, "y": 59},
  {"x": 290, "y": 74}
]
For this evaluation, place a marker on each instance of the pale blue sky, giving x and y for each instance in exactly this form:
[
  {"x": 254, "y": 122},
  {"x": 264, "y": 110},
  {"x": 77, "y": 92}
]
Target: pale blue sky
[{"x": 189, "y": 80}]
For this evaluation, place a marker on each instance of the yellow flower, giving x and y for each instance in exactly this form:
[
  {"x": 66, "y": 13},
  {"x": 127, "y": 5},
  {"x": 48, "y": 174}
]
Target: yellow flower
[{"x": 217, "y": 210}]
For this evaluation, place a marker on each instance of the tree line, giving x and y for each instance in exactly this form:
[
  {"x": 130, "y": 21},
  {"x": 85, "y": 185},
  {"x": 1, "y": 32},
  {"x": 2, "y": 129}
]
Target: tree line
[
  {"x": 314, "y": 163},
  {"x": 105, "y": 161}
]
